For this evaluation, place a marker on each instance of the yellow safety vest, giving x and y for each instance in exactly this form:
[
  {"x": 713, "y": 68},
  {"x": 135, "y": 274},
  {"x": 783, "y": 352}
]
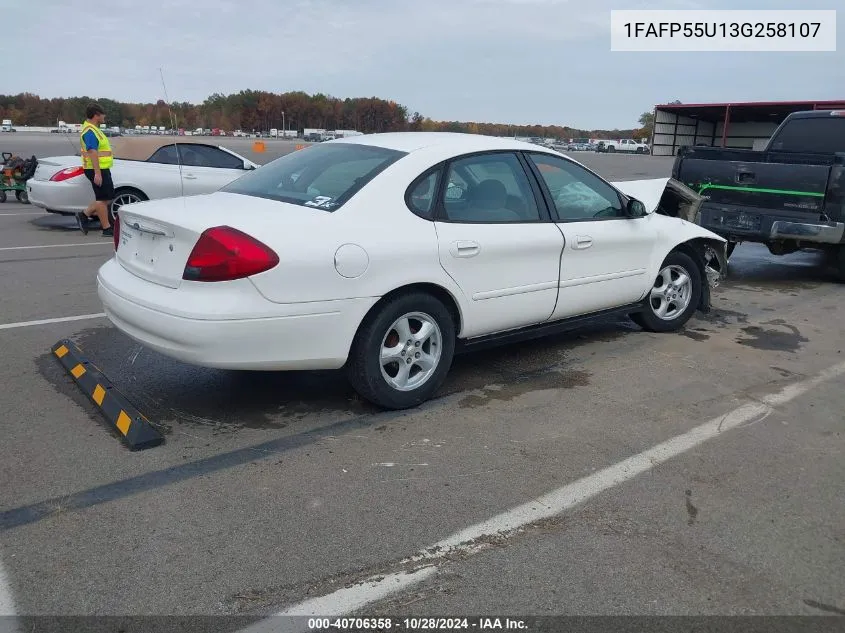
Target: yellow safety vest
[{"x": 103, "y": 149}]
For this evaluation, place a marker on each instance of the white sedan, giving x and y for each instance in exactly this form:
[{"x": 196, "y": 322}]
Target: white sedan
[
  {"x": 144, "y": 169},
  {"x": 386, "y": 254}
]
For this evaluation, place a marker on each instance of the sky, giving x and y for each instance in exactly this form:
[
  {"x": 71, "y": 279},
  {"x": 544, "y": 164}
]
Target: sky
[{"x": 544, "y": 62}]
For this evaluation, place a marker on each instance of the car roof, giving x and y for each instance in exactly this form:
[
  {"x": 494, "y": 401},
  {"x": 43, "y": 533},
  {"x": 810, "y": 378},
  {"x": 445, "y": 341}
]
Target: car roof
[
  {"x": 816, "y": 114},
  {"x": 413, "y": 141}
]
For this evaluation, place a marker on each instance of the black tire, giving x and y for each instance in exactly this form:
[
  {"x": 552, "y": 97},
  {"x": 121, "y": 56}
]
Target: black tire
[
  {"x": 22, "y": 196},
  {"x": 124, "y": 192},
  {"x": 730, "y": 249},
  {"x": 2, "y": 197},
  {"x": 611, "y": 150},
  {"x": 648, "y": 319},
  {"x": 839, "y": 263},
  {"x": 364, "y": 367}
]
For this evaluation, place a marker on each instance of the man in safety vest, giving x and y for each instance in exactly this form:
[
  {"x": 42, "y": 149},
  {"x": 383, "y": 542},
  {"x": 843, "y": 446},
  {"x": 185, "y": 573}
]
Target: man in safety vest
[{"x": 97, "y": 162}]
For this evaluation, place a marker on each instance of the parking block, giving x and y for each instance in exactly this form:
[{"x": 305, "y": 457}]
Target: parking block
[{"x": 132, "y": 427}]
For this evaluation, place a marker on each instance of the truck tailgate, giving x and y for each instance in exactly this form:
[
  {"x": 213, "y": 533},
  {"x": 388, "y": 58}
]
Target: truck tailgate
[{"x": 758, "y": 184}]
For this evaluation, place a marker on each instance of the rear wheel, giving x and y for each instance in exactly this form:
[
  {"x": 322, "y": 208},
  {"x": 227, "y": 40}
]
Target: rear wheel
[
  {"x": 402, "y": 353},
  {"x": 22, "y": 196},
  {"x": 674, "y": 296},
  {"x": 2, "y": 197},
  {"x": 123, "y": 197},
  {"x": 839, "y": 263}
]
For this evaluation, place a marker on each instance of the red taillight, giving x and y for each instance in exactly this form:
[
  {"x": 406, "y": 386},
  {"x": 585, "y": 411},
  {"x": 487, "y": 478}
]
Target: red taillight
[
  {"x": 116, "y": 229},
  {"x": 66, "y": 174},
  {"x": 223, "y": 253}
]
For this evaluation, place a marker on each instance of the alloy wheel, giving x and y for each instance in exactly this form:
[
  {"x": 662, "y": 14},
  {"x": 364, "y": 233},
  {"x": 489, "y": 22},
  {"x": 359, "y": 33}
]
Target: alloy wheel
[
  {"x": 410, "y": 351},
  {"x": 671, "y": 293}
]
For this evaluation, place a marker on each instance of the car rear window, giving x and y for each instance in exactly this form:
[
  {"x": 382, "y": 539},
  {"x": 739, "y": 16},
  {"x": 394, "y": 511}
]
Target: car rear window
[
  {"x": 813, "y": 135},
  {"x": 323, "y": 176}
]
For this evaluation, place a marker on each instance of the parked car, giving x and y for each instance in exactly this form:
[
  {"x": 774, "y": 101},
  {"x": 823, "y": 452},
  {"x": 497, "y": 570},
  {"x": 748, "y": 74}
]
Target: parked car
[
  {"x": 628, "y": 145},
  {"x": 386, "y": 254},
  {"x": 145, "y": 168},
  {"x": 789, "y": 196}
]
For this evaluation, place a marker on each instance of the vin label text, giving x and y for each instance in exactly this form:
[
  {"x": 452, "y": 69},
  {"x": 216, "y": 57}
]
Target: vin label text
[{"x": 745, "y": 30}]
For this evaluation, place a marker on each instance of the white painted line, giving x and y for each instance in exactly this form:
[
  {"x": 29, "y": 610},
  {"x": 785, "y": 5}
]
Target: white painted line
[
  {"x": 6, "y": 215},
  {"x": 9, "y": 622},
  {"x": 79, "y": 317},
  {"x": 343, "y": 601},
  {"x": 508, "y": 524},
  {"x": 7, "y": 606},
  {"x": 105, "y": 242}
]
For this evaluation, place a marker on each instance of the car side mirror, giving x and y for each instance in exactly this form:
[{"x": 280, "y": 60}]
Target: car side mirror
[
  {"x": 636, "y": 209},
  {"x": 248, "y": 166}
]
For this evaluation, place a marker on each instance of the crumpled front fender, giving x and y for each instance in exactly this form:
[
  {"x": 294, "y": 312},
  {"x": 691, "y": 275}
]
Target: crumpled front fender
[{"x": 677, "y": 208}]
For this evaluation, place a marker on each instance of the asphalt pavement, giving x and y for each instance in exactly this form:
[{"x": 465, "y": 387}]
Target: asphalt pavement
[{"x": 273, "y": 489}]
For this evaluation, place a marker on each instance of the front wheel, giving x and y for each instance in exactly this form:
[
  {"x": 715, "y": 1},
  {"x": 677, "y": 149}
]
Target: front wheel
[
  {"x": 674, "y": 296},
  {"x": 402, "y": 353}
]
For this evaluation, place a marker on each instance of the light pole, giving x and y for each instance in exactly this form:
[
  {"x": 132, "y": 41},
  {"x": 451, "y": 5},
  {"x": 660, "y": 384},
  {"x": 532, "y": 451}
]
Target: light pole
[{"x": 284, "y": 135}]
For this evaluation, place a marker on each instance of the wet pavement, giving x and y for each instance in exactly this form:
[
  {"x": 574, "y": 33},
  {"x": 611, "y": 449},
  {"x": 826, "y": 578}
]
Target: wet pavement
[{"x": 275, "y": 487}]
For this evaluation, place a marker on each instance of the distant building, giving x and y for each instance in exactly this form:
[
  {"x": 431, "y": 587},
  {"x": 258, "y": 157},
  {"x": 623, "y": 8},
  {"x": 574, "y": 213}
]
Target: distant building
[{"x": 736, "y": 125}]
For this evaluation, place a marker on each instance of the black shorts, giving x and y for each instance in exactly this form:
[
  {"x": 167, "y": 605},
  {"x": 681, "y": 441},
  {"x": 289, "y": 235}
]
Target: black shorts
[{"x": 104, "y": 192}]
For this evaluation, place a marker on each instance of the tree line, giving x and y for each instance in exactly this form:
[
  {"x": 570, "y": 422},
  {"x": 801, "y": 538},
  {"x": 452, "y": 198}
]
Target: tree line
[{"x": 251, "y": 110}]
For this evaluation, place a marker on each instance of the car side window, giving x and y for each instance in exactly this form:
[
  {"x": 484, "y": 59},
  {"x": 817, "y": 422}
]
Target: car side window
[
  {"x": 577, "y": 193},
  {"x": 489, "y": 188},
  {"x": 164, "y": 155},
  {"x": 422, "y": 195},
  {"x": 215, "y": 157}
]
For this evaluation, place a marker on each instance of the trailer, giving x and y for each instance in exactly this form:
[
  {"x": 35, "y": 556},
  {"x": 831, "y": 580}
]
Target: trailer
[
  {"x": 313, "y": 134},
  {"x": 347, "y": 133}
]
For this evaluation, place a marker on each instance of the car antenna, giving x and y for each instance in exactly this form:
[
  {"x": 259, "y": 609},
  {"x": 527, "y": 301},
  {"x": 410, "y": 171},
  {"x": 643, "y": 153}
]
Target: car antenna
[{"x": 173, "y": 127}]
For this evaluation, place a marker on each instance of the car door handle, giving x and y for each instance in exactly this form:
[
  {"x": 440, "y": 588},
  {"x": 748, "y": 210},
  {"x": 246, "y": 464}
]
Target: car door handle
[
  {"x": 190, "y": 177},
  {"x": 465, "y": 248},
  {"x": 582, "y": 241},
  {"x": 744, "y": 177}
]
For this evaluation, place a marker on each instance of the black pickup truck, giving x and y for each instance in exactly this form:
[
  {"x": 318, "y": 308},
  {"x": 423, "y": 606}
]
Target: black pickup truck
[{"x": 789, "y": 196}]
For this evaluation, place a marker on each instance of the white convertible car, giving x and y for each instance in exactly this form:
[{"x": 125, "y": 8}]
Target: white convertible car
[
  {"x": 144, "y": 169},
  {"x": 386, "y": 254}
]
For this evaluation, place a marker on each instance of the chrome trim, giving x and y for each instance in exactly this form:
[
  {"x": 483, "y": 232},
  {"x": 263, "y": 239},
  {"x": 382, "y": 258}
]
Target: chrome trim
[
  {"x": 803, "y": 232},
  {"x": 145, "y": 229}
]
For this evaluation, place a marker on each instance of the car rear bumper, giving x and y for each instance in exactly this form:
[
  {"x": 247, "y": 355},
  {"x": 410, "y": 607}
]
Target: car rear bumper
[
  {"x": 69, "y": 196},
  {"x": 826, "y": 233},
  {"x": 738, "y": 224},
  {"x": 303, "y": 336}
]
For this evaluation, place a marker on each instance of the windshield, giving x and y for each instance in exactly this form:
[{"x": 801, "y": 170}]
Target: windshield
[{"x": 323, "y": 176}]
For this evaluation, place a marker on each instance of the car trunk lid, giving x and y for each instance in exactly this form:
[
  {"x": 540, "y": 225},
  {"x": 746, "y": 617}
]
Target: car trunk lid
[
  {"x": 157, "y": 237},
  {"x": 49, "y": 166}
]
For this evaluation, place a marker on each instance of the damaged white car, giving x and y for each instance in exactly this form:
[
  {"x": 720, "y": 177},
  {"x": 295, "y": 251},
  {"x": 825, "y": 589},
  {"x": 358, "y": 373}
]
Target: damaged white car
[{"x": 386, "y": 254}]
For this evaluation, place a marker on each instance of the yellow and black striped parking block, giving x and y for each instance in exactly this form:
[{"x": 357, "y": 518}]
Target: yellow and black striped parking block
[{"x": 132, "y": 427}]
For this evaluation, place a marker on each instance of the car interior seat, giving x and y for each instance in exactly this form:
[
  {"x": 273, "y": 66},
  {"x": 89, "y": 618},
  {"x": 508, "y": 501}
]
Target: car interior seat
[{"x": 488, "y": 201}]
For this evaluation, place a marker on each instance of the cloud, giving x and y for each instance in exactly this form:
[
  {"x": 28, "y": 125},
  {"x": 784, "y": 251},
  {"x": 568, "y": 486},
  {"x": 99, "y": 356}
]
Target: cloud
[{"x": 520, "y": 61}]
